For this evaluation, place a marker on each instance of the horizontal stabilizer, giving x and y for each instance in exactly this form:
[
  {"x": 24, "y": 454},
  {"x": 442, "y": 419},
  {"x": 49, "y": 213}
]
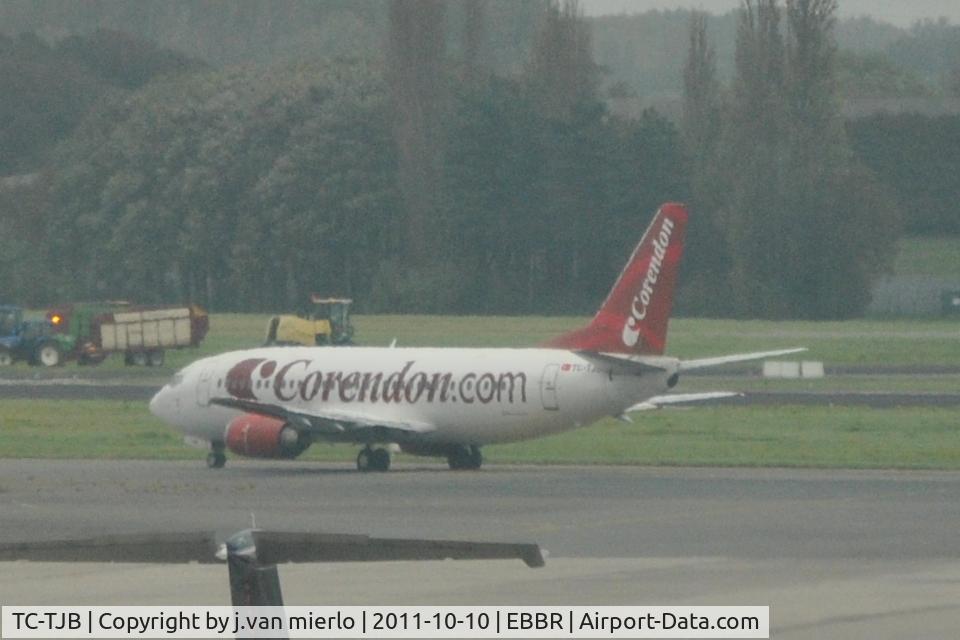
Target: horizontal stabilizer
[
  {"x": 703, "y": 363},
  {"x": 638, "y": 364},
  {"x": 657, "y": 402}
]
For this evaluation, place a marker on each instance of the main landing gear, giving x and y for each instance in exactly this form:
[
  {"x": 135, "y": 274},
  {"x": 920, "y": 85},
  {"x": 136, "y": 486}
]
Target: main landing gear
[
  {"x": 370, "y": 459},
  {"x": 466, "y": 458},
  {"x": 216, "y": 458}
]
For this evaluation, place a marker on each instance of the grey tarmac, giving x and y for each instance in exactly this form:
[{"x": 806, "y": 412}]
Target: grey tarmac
[{"x": 836, "y": 554}]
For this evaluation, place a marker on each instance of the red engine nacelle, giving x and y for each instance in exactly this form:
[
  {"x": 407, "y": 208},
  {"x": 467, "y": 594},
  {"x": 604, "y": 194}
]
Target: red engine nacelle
[{"x": 262, "y": 437}]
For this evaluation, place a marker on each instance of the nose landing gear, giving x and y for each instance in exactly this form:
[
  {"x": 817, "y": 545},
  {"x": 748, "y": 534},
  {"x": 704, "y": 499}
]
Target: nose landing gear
[{"x": 216, "y": 458}]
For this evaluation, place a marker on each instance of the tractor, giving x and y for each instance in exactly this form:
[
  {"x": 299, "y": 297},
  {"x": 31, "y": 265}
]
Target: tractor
[
  {"x": 32, "y": 340},
  {"x": 327, "y": 323}
]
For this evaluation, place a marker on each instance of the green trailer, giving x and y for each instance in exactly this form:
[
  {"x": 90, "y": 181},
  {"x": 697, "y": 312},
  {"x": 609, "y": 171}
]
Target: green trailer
[{"x": 141, "y": 334}]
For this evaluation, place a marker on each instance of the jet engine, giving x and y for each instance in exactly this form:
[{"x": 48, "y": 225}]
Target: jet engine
[{"x": 257, "y": 436}]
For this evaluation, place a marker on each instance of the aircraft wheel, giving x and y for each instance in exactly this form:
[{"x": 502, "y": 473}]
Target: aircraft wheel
[
  {"x": 216, "y": 459},
  {"x": 365, "y": 459},
  {"x": 380, "y": 460},
  {"x": 465, "y": 458},
  {"x": 455, "y": 459},
  {"x": 474, "y": 458}
]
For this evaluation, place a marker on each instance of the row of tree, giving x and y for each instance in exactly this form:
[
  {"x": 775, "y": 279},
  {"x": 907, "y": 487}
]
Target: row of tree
[
  {"x": 918, "y": 157},
  {"x": 642, "y": 53},
  {"x": 435, "y": 183},
  {"x": 230, "y": 32},
  {"x": 793, "y": 225},
  {"x": 433, "y": 186}
]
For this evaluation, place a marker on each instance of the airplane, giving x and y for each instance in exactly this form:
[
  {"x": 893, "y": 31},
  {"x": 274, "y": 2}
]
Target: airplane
[{"x": 274, "y": 402}]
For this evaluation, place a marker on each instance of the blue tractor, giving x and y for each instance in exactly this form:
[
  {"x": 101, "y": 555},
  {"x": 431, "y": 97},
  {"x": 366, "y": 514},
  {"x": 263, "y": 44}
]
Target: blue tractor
[{"x": 32, "y": 340}]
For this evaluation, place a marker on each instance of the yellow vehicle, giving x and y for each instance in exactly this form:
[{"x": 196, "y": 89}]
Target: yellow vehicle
[{"x": 327, "y": 324}]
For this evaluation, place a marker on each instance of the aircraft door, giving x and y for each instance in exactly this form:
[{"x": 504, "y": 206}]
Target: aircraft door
[
  {"x": 203, "y": 388},
  {"x": 548, "y": 387}
]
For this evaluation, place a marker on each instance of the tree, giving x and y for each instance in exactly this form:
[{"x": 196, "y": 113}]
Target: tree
[
  {"x": 562, "y": 82},
  {"x": 755, "y": 163},
  {"x": 793, "y": 183},
  {"x": 25, "y": 276},
  {"x": 242, "y": 189},
  {"x": 495, "y": 160},
  {"x": 44, "y": 96},
  {"x": 546, "y": 211},
  {"x": 810, "y": 66},
  {"x": 562, "y": 74},
  {"x": 475, "y": 50},
  {"x": 953, "y": 79},
  {"x": 48, "y": 89},
  {"x": 875, "y": 75},
  {"x": 416, "y": 76},
  {"x": 706, "y": 265},
  {"x": 918, "y": 157},
  {"x": 930, "y": 48}
]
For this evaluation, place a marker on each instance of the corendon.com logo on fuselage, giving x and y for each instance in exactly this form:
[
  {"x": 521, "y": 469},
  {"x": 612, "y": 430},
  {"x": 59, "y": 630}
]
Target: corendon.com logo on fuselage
[
  {"x": 641, "y": 301},
  {"x": 301, "y": 380}
]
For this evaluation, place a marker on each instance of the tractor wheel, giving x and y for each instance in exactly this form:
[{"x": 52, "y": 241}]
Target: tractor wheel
[
  {"x": 5, "y": 358},
  {"x": 48, "y": 355}
]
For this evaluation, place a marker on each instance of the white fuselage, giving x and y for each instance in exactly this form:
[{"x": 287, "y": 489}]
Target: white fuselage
[{"x": 465, "y": 396}]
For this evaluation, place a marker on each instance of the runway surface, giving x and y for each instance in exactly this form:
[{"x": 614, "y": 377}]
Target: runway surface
[{"x": 836, "y": 554}]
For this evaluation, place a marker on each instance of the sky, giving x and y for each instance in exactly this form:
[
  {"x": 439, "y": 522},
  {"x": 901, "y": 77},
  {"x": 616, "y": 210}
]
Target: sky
[{"x": 900, "y": 12}]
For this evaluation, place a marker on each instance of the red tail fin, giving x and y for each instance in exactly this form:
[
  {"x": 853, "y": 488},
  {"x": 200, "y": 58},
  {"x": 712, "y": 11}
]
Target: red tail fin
[{"x": 634, "y": 317}]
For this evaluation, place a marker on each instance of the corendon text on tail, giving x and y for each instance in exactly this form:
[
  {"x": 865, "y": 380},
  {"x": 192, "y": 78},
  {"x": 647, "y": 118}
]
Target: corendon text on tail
[{"x": 275, "y": 402}]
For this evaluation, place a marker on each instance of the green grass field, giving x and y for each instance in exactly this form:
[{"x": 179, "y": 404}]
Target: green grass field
[
  {"x": 845, "y": 384},
  {"x": 722, "y": 436},
  {"x": 873, "y": 343}
]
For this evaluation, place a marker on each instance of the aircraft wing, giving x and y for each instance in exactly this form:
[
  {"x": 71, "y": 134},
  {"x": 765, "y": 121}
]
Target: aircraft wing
[
  {"x": 197, "y": 546},
  {"x": 323, "y": 421},
  {"x": 268, "y": 547},
  {"x": 657, "y": 402},
  {"x": 273, "y": 547},
  {"x": 703, "y": 363}
]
